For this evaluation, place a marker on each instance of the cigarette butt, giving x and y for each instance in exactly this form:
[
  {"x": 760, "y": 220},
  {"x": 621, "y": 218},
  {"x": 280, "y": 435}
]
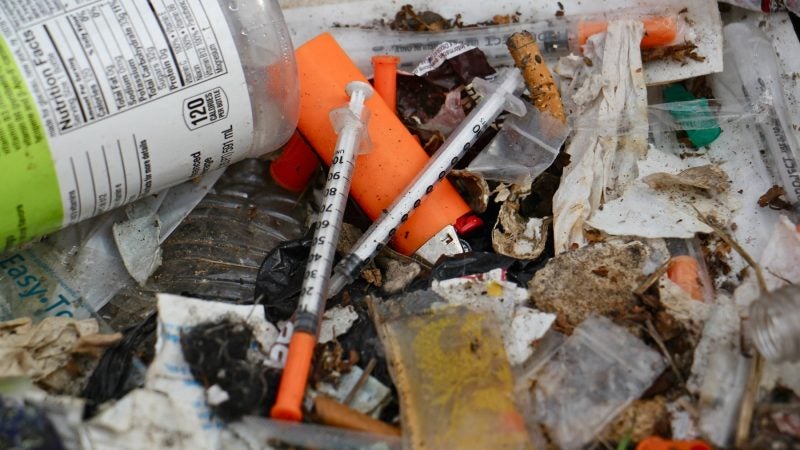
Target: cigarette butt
[
  {"x": 685, "y": 272},
  {"x": 658, "y": 31},
  {"x": 330, "y": 412},
  {"x": 385, "y": 80},
  {"x": 538, "y": 79}
]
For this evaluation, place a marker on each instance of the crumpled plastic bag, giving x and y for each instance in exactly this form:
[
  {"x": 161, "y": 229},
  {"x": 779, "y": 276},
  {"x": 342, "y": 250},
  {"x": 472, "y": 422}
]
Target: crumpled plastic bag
[
  {"x": 43, "y": 351},
  {"x": 280, "y": 277}
]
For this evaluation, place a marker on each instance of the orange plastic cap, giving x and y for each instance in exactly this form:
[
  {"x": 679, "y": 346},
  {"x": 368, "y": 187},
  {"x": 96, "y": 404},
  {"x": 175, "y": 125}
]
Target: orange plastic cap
[
  {"x": 656, "y": 443},
  {"x": 395, "y": 157},
  {"x": 289, "y": 403},
  {"x": 658, "y": 31},
  {"x": 385, "y": 80},
  {"x": 294, "y": 167},
  {"x": 685, "y": 272}
]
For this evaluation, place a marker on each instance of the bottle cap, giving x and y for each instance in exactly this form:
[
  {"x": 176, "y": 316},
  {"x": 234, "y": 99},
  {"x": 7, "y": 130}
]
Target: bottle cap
[
  {"x": 294, "y": 167},
  {"x": 468, "y": 224}
]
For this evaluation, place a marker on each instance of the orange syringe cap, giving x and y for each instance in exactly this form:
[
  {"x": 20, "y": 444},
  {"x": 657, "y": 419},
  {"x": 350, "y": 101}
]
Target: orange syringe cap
[
  {"x": 289, "y": 402},
  {"x": 658, "y": 31},
  {"x": 385, "y": 80},
  {"x": 292, "y": 170},
  {"x": 684, "y": 271},
  {"x": 395, "y": 157}
]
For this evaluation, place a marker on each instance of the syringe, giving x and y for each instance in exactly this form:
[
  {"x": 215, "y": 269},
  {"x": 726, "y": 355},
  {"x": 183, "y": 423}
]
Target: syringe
[
  {"x": 554, "y": 37},
  {"x": 350, "y": 124},
  {"x": 496, "y": 97},
  {"x": 758, "y": 70}
]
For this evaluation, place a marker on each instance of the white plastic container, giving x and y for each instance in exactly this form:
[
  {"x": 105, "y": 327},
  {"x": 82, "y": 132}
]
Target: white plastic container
[{"x": 102, "y": 103}]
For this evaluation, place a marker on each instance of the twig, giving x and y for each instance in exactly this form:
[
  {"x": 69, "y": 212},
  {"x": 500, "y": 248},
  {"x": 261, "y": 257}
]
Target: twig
[
  {"x": 762, "y": 284},
  {"x": 749, "y": 402},
  {"x": 754, "y": 379},
  {"x": 651, "y": 330},
  {"x": 642, "y": 288}
]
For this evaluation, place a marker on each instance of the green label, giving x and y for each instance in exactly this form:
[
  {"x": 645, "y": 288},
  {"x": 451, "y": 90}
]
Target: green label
[{"x": 30, "y": 199}]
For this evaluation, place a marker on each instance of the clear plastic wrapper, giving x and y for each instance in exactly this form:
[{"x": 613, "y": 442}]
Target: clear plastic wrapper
[
  {"x": 754, "y": 57},
  {"x": 523, "y": 149},
  {"x": 555, "y": 37},
  {"x": 452, "y": 375},
  {"x": 767, "y": 6},
  {"x": 76, "y": 271},
  {"x": 587, "y": 381},
  {"x": 700, "y": 114}
]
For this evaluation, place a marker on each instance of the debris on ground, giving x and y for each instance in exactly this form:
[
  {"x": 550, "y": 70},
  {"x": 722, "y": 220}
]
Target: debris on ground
[
  {"x": 517, "y": 236},
  {"x": 597, "y": 279},
  {"x": 58, "y": 353},
  {"x": 667, "y": 205},
  {"x": 607, "y": 258}
]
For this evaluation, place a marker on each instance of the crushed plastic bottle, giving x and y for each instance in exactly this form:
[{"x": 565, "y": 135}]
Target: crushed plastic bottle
[
  {"x": 217, "y": 250},
  {"x": 775, "y": 324}
]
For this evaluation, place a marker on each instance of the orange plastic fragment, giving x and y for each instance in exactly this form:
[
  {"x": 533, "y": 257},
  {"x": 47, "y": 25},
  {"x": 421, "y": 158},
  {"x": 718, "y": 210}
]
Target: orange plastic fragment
[
  {"x": 656, "y": 443},
  {"x": 685, "y": 272},
  {"x": 658, "y": 31},
  {"x": 385, "y": 80}
]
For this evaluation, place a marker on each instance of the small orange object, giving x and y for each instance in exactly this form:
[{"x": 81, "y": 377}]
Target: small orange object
[
  {"x": 395, "y": 158},
  {"x": 330, "y": 412},
  {"x": 293, "y": 169},
  {"x": 656, "y": 443},
  {"x": 385, "y": 80},
  {"x": 685, "y": 272},
  {"x": 292, "y": 389},
  {"x": 658, "y": 31}
]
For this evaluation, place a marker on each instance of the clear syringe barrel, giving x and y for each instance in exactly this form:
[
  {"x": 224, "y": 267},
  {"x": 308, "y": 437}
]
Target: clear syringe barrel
[
  {"x": 758, "y": 70},
  {"x": 553, "y": 38},
  {"x": 350, "y": 123},
  {"x": 499, "y": 96}
]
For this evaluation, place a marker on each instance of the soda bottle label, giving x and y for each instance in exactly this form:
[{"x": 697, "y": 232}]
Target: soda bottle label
[{"x": 104, "y": 102}]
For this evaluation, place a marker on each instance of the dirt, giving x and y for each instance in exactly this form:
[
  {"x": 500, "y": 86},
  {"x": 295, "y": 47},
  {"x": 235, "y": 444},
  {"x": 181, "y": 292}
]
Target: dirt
[
  {"x": 641, "y": 419},
  {"x": 216, "y": 353},
  {"x": 772, "y": 198},
  {"x": 597, "y": 279},
  {"x": 680, "y": 52}
]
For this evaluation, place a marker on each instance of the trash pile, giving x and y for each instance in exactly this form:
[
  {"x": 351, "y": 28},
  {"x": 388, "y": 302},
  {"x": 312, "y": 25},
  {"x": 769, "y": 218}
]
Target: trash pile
[{"x": 514, "y": 232}]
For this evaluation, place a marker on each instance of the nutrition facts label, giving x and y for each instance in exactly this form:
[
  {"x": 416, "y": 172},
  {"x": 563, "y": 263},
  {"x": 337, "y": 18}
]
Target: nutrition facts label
[
  {"x": 103, "y": 102},
  {"x": 94, "y": 59}
]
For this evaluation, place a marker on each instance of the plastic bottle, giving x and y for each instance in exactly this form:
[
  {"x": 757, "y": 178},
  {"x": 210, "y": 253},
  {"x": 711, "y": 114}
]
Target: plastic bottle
[
  {"x": 775, "y": 324},
  {"x": 217, "y": 251},
  {"x": 106, "y": 102}
]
